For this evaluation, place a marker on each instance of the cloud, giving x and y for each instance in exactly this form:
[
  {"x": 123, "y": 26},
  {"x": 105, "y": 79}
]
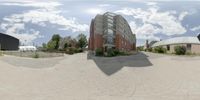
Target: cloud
[
  {"x": 95, "y": 11},
  {"x": 18, "y": 30},
  {"x": 154, "y": 22},
  {"x": 104, "y": 5},
  {"x": 182, "y": 15},
  {"x": 42, "y": 13},
  {"x": 197, "y": 28}
]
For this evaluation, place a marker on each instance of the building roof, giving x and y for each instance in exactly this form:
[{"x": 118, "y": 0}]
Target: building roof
[{"x": 178, "y": 40}]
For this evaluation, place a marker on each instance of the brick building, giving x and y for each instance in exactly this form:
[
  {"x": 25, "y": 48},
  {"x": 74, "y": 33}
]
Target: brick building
[{"x": 111, "y": 31}]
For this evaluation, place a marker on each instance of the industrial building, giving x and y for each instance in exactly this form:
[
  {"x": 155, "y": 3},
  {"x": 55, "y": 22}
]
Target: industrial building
[
  {"x": 8, "y": 42},
  {"x": 111, "y": 30}
]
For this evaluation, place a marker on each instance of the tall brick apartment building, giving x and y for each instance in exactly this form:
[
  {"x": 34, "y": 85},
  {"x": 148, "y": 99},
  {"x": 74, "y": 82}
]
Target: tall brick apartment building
[{"x": 111, "y": 31}]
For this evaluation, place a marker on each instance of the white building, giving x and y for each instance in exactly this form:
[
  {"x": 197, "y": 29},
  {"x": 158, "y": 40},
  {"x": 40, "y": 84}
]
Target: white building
[{"x": 27, "y": 48}]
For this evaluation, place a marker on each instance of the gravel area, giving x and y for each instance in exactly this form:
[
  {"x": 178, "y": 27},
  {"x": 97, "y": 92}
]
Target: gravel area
[{"x": 144, "y": 76}]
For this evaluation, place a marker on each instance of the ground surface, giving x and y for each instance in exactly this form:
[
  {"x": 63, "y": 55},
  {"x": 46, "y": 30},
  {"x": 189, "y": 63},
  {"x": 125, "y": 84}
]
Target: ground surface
[{"x": 144, "y": 76}]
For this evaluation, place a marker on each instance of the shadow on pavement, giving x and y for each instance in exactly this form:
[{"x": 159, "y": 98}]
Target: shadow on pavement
[{"x": 111, "y": 65}]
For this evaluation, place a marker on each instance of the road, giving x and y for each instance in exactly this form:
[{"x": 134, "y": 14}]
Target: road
[{"x": 144, "y": 76}]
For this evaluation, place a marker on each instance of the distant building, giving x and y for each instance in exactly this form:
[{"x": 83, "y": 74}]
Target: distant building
[
  {"x": 111, "y": 31},
  {"x": 8, "y": 42},
  {"x": 27, "y": 48},
  {"x": 192, "y": 44}
]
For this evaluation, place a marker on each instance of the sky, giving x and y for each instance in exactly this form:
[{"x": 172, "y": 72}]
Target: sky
[{"x": 35, "y": 21}]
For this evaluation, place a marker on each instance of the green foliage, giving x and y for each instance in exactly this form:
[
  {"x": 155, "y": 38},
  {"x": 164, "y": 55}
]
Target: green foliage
[
  {"x": 44, "y": 45},
  {"x": 160, "y": 49},
  {"x": 72, "y": 50},
  {"x": 51, "y": 45},
  {"x": 180, "y": 50},
  {"x": 82, "y": 41},
  {"x": 111, "y": 53},
  {"x": 141, "y": 48},
  {"x": 36, "y": 55},
  {"x": 149, "y": 49},
  {"x": 66, "y": 45},
  {"x": 56, "y": 37},
  {"x": 99, "y": 52}
]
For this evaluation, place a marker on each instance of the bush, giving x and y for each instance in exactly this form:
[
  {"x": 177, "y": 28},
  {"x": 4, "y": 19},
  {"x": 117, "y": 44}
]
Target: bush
[
  {"x": 70, "y": 50},
  {"x": 36, "y": 55},
  {"x": 98, "y": 52},
  {"x": 116, "y": 51},
  {"x": 141, "y": 48},
  {"x": 149, "y": 49},
  {"x": 160, "y": 49},
  {"x": 180, "y": 50},
  {"x": 112, "y": 52}
]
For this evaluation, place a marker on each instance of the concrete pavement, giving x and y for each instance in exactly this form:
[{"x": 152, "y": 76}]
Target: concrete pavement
[{"x": 145, "y": 76}]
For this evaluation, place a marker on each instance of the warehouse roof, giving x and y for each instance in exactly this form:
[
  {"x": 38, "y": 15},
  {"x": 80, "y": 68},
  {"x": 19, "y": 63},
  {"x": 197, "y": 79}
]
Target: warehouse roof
[{"x": 178, "y": 40}]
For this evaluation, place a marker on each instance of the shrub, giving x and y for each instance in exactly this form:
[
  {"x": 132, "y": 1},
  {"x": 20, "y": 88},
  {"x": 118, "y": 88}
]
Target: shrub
[
  {"x": 70, "y": 50},
  {"x": 160, "y": 49},
  {"x": 36, "y": 55},
  {"x": 99, "y": 52},
  {"x": 116, "y": 51},
  {"x": 141, "y": 48},
  {"x": 149, "y": 49},
  {"x": 112, "y": 52},
  {"x": 180, "y": 50}
]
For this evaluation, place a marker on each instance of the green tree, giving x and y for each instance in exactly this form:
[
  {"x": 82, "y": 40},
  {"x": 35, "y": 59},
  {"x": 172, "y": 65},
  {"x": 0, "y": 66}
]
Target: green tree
[
  {"x": 44, "y": 45},
  {"x": 82, "y": 41},
  {"x": 56, "y": 38},
  {"x": 51, "y": 45}
]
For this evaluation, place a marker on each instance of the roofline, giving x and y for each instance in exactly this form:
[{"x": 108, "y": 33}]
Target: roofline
[{"x": 9, "y": 36}]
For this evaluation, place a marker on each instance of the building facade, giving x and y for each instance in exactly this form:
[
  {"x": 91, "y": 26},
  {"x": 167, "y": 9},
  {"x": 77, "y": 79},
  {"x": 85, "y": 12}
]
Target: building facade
[
  {"x": 111, "y": 31},
  {"x": 192, "y": 44},
  {"x": 8, "y": 42}
]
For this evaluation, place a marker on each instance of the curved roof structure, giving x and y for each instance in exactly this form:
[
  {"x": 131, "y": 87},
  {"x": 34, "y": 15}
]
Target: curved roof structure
[
  {"x": 8, "y": 42},
  {"x": 178, "y": 40}
]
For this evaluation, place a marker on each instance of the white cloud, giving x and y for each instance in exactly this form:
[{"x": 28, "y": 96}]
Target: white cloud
[
  {"x": 182, "y": 15},
  {"x": 95, "y": 11},
  {"x": 146, "y": 31},
  {"x": 197, "y": 28},
  {"x": 104, "y": 5},
  {"x": 18, "y": 30},
  {"x": 42, "y": 13},
  {"x": 154, "y": 22}
]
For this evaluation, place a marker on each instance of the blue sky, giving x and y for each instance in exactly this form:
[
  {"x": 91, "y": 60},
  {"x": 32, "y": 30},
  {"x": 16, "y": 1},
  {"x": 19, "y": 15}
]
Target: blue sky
[{"x": 35, "y": 21}]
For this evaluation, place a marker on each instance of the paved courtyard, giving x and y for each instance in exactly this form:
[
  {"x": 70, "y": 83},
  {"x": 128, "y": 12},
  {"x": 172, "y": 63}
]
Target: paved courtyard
[{"x": 144, "y": 76}]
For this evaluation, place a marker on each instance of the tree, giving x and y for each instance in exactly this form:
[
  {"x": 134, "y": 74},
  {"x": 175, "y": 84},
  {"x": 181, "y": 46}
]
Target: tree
[
  {"x": 56, "y": 38},
  {"x": 51, "y": 45},
  {"x": 44, "y": 45},
  {"x": 82, "y": 41}
]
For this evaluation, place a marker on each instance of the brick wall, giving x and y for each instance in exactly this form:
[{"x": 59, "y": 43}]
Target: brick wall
[
  {"x": 123, "y": 44},
  {"x": 195, "y": 48}
]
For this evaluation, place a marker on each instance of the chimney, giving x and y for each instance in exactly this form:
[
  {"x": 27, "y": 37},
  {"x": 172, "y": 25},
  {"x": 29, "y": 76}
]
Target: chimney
[{"x": 147, "y": 43}]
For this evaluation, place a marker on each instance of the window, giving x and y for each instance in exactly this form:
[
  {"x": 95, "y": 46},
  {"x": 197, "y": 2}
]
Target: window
[
  {"x": 109, "y": 20},
  {"x": 189, "y": 46},
  {"x": 110, "y": 32},
  {"x": 168, "y": 47}
]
